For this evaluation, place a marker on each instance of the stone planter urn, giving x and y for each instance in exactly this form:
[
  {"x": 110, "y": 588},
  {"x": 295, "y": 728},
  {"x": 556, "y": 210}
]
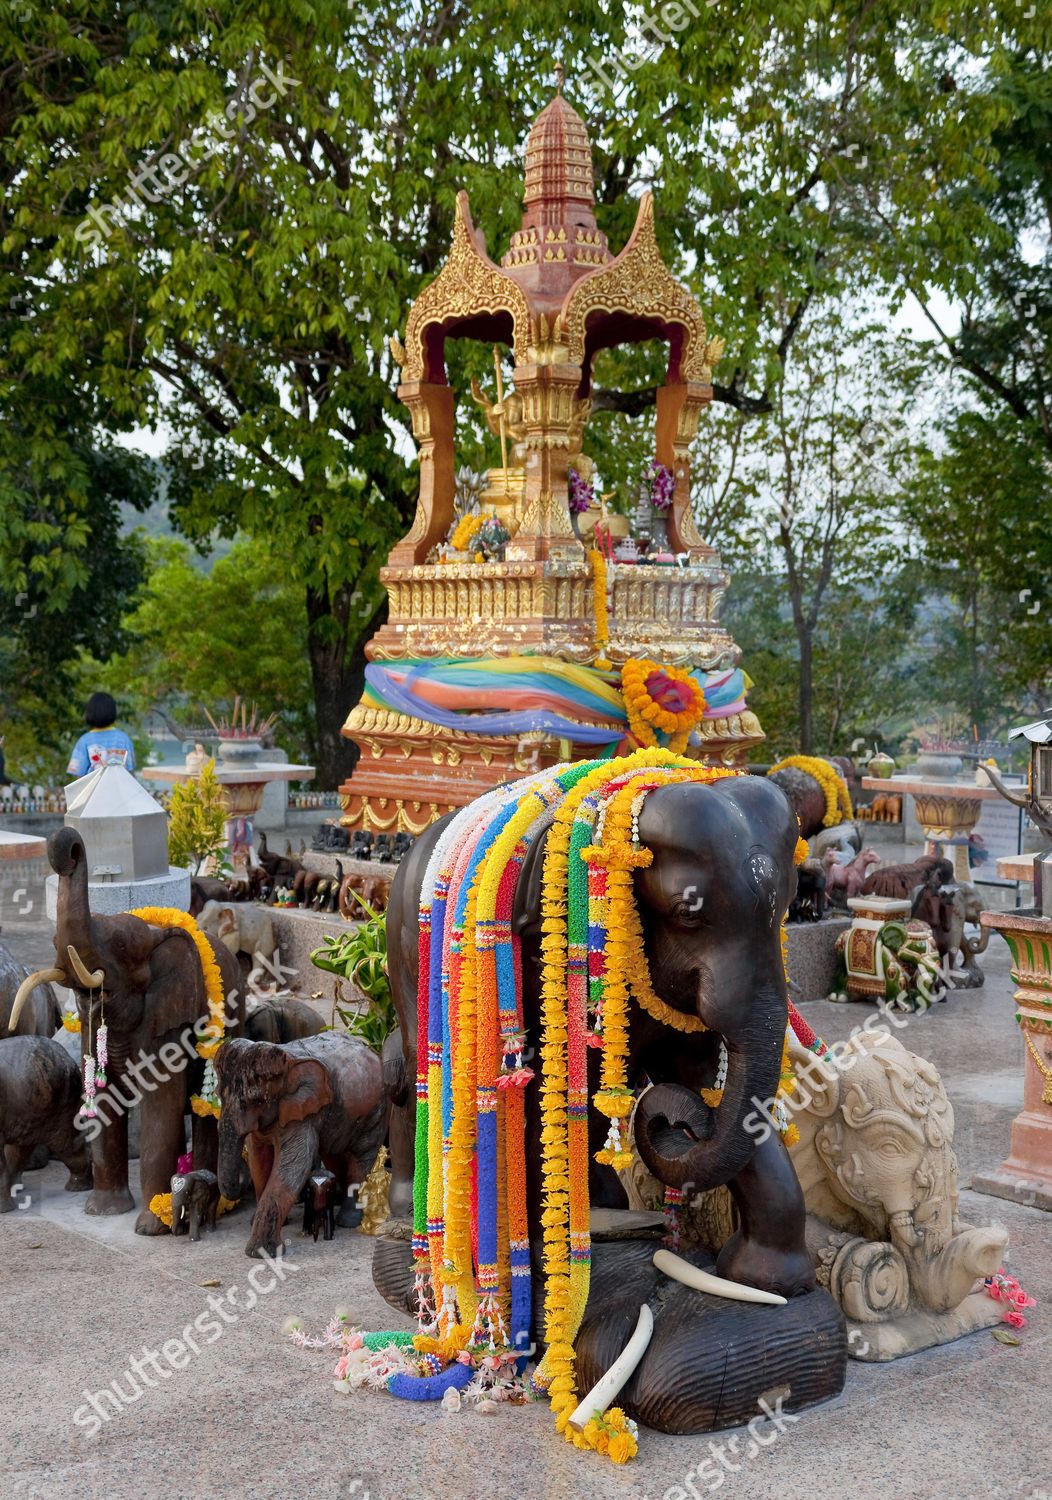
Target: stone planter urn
[
  {"x": 244, "y": 751},
  {"x": 939, "y": 765}
]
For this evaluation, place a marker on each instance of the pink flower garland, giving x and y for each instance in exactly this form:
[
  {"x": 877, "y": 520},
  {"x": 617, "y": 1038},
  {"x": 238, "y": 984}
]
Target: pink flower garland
[{"x": 1004, "y": 1288}]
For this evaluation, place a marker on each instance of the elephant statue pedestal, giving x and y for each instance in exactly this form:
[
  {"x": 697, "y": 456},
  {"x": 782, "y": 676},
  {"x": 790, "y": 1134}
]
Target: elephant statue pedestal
[{"x": 709, "y": 1361}]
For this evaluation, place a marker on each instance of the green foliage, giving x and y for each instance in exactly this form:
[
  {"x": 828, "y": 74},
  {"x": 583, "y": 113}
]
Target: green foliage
[
  {"x": 360, "y": 957},
  {"x": 197, "y": 816},
  {"x": 798, "y": 150},
  {"x": 204, "y": 637}
]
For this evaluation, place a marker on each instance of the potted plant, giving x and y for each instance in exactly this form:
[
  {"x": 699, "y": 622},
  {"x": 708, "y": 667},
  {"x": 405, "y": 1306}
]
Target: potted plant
[{"x": 197, "y": 819}]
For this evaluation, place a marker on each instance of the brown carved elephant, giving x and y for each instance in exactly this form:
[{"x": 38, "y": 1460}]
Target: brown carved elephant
[
  {"x": 147, "y": 981},
  {"x": 39, "y": 1016},
  {"x": 322, "y": 1097},
  {"x": 39, "y": 1100}
]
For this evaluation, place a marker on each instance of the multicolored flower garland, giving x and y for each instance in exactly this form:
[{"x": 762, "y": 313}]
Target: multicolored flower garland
[
  {"x": 661, "y": 698},
  {"x": 213, "y": 1034},
  {"x": 471, "y": 1247},
  {"x": 838, "y": 799}
]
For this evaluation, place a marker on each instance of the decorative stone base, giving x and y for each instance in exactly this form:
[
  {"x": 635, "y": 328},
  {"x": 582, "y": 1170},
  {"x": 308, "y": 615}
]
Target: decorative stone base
[
  {"x": 1004, "y": 1183},
  {"x": 298, "y": 933},
  {"x": 411, "y": 772},
  {"x": 878, "y": 1343},
  {"x": 812, "y": 957},
  {"x": 107, "y": 898}
]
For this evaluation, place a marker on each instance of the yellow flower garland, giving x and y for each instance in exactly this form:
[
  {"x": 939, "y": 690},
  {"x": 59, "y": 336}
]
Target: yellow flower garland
[
  {"x": 602, "y": 617},
  {"x": 838, "y": 800},
  {"x": 161, "y": 1206},
  {"x": 466, "y": 530},
  {"x": 566, "y": 1282},
  {"x": 214, "y": 1032},
  {"x": 646, "y": 715}
]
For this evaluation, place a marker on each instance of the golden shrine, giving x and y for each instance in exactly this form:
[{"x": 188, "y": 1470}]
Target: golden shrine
[{"x": 558, "y": 297}]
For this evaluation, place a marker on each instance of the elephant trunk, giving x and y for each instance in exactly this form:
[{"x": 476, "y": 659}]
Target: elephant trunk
[
  {"x": 229, "y": 1167},
  {"x": 942, "y": 1281},
  {"x": 674, "y": 1130},
  {"x": 73, "y": 926}
]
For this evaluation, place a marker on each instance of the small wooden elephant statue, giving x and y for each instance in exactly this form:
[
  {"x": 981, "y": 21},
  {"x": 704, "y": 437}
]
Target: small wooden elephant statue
[
  {"x": 319, "y": 1195},
  {"x": 39, "y": 1104},
  {"x": 319, "y": 1098},
  {"x": 195, "y": 1202}
]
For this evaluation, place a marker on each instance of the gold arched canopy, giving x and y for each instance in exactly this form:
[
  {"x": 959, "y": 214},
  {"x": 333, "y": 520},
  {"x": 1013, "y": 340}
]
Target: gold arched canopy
[{"x": 471, "y": 297}]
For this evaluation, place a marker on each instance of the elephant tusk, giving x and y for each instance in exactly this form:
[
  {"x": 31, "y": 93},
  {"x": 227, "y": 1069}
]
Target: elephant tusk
[
  {"x": 26, "y": 988},
  {"x": 88, "y": 981},
  {"x": 623, "y": 1367},
  {"x": 717, "y": 1286}
]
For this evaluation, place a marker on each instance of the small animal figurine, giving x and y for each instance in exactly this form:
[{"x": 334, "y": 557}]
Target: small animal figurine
[
  {"x": 195, "y": 1201},
  {"x": 845, "y": 880},
  {"x": 382, "y": 850},
  {"x": 361, "y": 844},
  {"x": 319, "y": 1195},
  {"x": 402, "y": 845}
]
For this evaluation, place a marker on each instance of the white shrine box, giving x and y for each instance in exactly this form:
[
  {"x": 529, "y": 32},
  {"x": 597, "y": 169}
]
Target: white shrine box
[{"x": 125, "y": 831}]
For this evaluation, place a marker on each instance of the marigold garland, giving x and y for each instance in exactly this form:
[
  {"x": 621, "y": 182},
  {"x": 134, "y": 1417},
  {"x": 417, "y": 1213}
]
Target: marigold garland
[
  {"x": 838, "y": 799},
  {"x": 161, "y": 1206},
  {"x": 646, "y": 714},
  {"x": 465, "y": 532},
  {"x": 213, "y": 1033},
  {"x": 602, "y": 614}
]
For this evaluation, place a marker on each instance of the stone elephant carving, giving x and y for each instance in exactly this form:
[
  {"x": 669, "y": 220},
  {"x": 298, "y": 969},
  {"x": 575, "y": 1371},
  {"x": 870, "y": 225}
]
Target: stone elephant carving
[
  {"x": 876, "y": 1163},
  {"x": 39, "y": 1101},
  {"x": 147, "y": 982},
  {"x": 321, "y": 1097},
  {"x": 242, "y": 928}
]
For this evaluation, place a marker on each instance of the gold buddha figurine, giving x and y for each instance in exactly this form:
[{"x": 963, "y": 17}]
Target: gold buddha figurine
[{"x": 505, "y": 487}]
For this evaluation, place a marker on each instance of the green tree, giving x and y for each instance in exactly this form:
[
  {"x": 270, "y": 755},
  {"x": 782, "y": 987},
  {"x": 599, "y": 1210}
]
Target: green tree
[
  {"x": 797, "y": 147},
  {"x": 203, "y": 637},
  {"x": 811, "y": 496}
]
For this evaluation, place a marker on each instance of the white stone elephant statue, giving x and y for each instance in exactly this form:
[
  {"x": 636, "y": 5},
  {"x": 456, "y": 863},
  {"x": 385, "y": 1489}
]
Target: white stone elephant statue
[{"x": 876, "y": 1163}]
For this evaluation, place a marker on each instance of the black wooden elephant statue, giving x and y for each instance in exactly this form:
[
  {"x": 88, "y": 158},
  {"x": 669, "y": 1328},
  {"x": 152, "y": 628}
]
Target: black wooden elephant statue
[
  {"x": 710, "y": 867},
  {"x": 711, "y": 905},
  {"x": 319, "y": 1098},
  {"x": 281, "y": 1021},
  {"x": 320, "y": 1193},
  {"x": 39, "y": 1101},
  {"x": 195, "y": 1202},
  {"x": 39, "y": 1015},
  {"x": 146, "y": 982}
]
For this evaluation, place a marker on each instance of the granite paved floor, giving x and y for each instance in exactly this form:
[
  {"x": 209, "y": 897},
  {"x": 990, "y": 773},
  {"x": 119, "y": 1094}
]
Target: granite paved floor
[{"x": 253, "y": 1416}]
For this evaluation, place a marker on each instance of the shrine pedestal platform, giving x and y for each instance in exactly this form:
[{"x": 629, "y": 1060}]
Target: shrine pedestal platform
[{"x": 1026, "y": 1174}]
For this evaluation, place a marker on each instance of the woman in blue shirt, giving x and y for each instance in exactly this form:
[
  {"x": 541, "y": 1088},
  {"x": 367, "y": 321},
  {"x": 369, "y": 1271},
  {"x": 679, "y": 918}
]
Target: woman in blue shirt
[{"x": 104, "y": 744}]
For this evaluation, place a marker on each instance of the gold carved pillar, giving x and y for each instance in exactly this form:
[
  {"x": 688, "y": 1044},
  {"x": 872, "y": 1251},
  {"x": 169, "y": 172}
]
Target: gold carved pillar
[
  {"x": 431, "y": 407},
  {"x": 547, "y": 392},
  {"x": 679, "y": 408}
]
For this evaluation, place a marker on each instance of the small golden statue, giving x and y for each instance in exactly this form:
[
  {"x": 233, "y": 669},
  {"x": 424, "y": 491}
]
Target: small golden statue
[
  {"x": 373, "y": 1196},
  {"x": 505, "y": 487}
]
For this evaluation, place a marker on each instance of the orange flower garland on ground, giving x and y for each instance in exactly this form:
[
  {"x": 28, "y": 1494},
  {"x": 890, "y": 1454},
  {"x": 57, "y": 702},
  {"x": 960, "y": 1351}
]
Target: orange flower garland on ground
[{"x": 661, "y": 698}]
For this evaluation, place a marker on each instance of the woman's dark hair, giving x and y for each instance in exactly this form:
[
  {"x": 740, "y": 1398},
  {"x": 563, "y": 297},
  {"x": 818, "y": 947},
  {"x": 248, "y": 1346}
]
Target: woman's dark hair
[{"x": 100, "y": 712}]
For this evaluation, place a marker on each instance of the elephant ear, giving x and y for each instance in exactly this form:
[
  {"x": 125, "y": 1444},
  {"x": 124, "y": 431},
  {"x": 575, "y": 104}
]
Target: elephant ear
[{"x": 307, "y": 1089}]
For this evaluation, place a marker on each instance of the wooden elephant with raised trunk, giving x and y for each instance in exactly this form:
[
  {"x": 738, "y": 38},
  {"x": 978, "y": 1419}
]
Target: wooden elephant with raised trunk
[
  {"x": 318, "y": 1098},
  {"x": 145, "y": 981}
]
